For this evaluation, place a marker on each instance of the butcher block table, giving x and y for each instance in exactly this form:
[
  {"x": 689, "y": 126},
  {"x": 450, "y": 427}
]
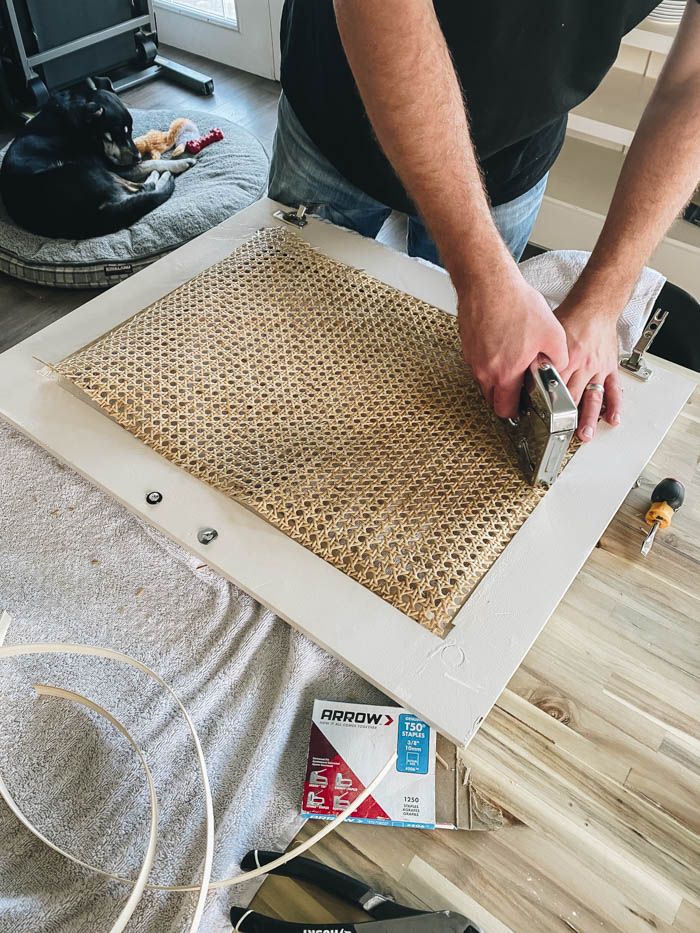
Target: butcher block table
[{"x": 585, "y": 777}]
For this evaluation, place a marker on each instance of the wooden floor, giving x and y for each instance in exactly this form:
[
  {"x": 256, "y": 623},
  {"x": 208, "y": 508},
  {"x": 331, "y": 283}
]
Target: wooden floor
[
  {"x": 239, "y": 96},
  {"x": 591, "y": 759}
]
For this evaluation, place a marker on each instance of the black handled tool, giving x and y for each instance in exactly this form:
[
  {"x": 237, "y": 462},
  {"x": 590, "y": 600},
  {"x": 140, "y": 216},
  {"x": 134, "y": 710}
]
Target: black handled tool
[
  {"x": 387, "y": 915},
  {"x": 666, "y": 499}
]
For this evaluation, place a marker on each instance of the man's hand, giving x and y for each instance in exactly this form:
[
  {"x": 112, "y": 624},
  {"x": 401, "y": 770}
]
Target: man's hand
[
  {"x": 504, "y": 325},
  {"x": 591, "y": 335}
]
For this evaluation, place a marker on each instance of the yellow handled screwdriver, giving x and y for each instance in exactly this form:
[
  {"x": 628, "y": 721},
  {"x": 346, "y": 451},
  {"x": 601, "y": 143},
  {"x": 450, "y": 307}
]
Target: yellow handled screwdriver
[{"x": 666, "y": 499}]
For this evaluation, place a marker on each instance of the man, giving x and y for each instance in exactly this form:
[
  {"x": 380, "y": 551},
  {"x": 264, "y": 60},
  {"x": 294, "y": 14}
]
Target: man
[{"x": 454, "y": 112}]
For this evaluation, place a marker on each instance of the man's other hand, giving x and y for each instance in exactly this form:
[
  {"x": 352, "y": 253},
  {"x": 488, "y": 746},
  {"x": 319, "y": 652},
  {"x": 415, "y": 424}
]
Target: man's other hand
[
  {"x": 592, "y": 341},
  {"x": 504, "y": 325}
]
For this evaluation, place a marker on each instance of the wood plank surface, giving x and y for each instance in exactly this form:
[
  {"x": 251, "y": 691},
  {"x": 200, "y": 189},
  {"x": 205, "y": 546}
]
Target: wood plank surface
[{"x": 592, "y": 755}]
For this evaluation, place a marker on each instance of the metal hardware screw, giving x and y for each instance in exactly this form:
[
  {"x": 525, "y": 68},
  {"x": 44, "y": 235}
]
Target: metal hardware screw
[{"x": 207, "y": 535}]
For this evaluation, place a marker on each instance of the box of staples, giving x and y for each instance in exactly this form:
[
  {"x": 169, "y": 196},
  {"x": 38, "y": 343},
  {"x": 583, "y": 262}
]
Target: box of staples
[{"x": 350, "y": 744}]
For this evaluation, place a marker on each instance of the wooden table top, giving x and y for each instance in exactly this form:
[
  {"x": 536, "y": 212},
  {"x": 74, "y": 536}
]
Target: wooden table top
[{"x": 590, "y": 759}]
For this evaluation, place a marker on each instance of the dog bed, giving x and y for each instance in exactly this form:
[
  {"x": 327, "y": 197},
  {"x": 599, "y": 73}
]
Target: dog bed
[{"x": 229, "y": 175}]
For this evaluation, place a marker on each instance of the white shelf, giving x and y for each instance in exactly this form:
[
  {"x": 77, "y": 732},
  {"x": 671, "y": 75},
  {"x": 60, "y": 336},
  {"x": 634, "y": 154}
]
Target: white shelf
[
  {"x": 613, "y": 111},
  {"x": 578, "y": 196},
  {"x": 654, "y": 37},
  {"x": 582, "y": 182}
]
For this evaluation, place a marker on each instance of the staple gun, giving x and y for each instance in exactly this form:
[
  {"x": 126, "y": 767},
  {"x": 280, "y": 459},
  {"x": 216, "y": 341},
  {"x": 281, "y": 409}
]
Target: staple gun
[{"x": 548, "y": 417}]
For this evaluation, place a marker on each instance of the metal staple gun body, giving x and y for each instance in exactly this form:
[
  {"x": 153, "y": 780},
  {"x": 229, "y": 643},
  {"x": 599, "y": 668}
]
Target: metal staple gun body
[
  {"x": 548, "y": 417},
  {"x": 387, "y": 916}
]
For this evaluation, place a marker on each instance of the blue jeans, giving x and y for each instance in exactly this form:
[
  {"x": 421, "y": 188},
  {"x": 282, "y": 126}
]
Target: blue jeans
[{"x": 300, "y": 174}]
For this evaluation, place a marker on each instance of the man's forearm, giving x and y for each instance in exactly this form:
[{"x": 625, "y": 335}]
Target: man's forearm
[
  {"x": 408, "y": 85},
  {"x": 659, "y": 175}
]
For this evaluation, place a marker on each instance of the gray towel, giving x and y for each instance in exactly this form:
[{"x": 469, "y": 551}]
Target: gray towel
[{"x": 75, "y": 566}]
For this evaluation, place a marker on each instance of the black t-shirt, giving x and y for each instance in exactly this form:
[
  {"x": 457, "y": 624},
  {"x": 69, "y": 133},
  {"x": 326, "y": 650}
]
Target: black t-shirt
[{"x": 523, "y": 67}]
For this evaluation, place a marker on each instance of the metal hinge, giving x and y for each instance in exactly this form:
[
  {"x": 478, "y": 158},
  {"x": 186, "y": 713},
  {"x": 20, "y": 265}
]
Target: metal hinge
[
  {"x": 634, "y": 363},
  {"x": 296, "y": 218}
]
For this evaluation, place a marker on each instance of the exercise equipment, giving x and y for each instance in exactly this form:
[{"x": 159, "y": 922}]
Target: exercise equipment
[{"x": 51, "y": 46}]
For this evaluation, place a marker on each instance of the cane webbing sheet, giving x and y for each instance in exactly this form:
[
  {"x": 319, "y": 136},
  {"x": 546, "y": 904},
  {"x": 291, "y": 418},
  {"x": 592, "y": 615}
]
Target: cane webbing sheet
[{"x": 334, "y": 406}]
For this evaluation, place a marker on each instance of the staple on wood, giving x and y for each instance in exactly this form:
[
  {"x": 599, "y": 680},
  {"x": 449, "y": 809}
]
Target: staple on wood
[{"x": 333, "y": 405}]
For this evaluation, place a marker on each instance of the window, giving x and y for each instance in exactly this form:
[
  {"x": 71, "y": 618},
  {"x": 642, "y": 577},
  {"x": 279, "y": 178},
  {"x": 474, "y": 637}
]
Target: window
[
  {"x": 241, "y": 33},
  {"x": 222, "y": 11}
]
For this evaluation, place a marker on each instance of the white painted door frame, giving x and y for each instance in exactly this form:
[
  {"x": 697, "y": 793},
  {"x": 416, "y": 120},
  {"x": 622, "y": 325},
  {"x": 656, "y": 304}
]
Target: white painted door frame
[
  {"x": 251, "y": 44},
  {"x": 451, "y": 683}
]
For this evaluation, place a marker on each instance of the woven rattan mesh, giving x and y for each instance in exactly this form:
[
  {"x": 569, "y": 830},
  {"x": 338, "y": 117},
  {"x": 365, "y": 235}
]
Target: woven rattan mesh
[{"x": 334, "y": 406}]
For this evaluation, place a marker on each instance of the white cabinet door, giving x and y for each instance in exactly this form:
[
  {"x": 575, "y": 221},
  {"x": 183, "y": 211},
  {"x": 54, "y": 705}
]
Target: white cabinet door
[{"x": 241, "y": 33}]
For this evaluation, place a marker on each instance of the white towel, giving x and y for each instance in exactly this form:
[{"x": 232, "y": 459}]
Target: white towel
[{"x": 554, "y": 273}]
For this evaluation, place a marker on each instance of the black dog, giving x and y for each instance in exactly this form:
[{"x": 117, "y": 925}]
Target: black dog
[{"x": 73, "y": 171}]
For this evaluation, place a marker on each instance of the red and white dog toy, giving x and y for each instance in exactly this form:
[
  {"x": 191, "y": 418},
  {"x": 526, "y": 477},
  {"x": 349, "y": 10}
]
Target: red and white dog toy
[{"x": 195, "y": 146}]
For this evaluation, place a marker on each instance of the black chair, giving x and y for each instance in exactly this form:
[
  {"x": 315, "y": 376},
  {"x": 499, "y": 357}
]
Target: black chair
[{"x": 679, "y": 338}]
